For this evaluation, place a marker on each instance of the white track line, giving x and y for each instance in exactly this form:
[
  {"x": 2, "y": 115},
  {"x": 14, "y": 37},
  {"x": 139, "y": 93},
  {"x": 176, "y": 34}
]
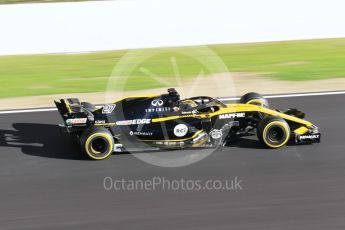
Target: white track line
[
  {"x": 27, "y": 111},
  {"x": 290, "y": 95},
  {"x": 221, "y": 99}
]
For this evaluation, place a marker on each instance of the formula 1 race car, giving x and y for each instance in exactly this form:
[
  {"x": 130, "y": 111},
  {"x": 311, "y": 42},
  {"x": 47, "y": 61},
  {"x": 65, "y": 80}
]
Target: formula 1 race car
[{"x": 165, "y": 121}]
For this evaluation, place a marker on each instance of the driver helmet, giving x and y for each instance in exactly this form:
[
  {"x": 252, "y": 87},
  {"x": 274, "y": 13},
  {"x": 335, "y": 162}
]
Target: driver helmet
[{"x": 187, "y": 104}]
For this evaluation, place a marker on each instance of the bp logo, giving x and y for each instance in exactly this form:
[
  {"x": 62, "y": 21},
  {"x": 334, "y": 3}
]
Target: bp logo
[{"x": 180, "y": 130}]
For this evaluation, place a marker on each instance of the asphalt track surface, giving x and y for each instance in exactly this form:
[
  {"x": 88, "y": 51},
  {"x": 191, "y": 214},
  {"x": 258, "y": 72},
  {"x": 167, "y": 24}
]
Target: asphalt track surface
[{"x": 45, "y": 184}]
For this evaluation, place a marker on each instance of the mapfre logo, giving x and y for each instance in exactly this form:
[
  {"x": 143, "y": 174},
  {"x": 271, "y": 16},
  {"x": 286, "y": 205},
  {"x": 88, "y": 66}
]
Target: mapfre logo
[
  {"x": 157, "y": 102},
  {"x": 231, "y": 115}
]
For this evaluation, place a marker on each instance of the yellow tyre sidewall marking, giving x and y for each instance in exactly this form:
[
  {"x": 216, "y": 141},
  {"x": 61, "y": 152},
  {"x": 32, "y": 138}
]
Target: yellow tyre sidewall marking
[
  {"x": 256, "y": 101},
  {"x": 90, "y": 138},
  {"x": 281, "y": 124}
]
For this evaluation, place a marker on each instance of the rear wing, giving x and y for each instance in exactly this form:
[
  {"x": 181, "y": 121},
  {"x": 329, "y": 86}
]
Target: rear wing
[
  {"x": 72, "y": 112},
  {"x": 68, "y": 106}
]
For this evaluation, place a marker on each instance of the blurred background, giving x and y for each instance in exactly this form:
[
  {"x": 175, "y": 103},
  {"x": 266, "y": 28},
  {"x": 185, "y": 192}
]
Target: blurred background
[{"x": 217, "y": 48}]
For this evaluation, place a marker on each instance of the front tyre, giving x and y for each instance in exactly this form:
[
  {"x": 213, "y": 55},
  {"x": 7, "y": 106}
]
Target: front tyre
[
  {"x": 273, "y": 132},
  {"x": 97, "y": 143},
  {"x": 254, "y": 99}
]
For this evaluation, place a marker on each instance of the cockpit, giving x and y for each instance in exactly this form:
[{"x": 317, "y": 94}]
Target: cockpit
[{"x": 200, "y": 104}]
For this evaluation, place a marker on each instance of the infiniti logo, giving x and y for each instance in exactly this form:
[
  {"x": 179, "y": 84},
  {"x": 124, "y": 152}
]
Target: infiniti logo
[{"x": 157, "y": 102}]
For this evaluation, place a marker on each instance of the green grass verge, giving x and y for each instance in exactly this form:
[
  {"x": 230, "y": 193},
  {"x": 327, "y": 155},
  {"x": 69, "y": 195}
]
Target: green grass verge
[{"x": 24, "y": 75}]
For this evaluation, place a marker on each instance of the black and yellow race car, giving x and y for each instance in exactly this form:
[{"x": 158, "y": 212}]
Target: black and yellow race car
[{"x": 165, "y": 121}]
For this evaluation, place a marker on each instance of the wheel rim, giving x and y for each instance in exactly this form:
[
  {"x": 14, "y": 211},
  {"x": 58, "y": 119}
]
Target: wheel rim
[
  {"x": 99, "y": 145},
  {"x": 276, "y": 134}
]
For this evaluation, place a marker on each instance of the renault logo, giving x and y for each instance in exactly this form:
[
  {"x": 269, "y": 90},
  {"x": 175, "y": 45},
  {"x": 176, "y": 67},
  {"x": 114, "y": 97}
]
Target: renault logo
[{"x": 157, "y": 102}]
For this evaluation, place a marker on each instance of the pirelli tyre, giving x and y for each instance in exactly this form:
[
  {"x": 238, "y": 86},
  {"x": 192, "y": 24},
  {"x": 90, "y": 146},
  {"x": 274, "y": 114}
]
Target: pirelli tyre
[
  {"x": 254, "y": 99},
  {"x": 273, "y": 132},
  {"x": 97, "y": 143}
]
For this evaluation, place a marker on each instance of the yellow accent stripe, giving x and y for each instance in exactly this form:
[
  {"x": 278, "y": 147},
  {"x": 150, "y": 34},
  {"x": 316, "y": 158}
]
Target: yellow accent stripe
[
  {"x": 285, "y": 116},
  {"x": 143, "y": 96},
  {"x": 185, "y": 139},
  {"x": 172, "y": 118},
  {"x": 237, "y": 108},
  {"x": 105, "y": 124},
  {"x": 301, "y": 130},
  {"x": 255, "y": 101},
  {"x": 67, "y": 106}
]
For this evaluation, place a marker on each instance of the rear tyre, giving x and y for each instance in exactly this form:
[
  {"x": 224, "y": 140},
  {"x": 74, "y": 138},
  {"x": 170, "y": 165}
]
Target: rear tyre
[
  {"x": 273, "y": 132},
  {"x": 97, "y": 143},
  {"x": 254, "y": 99}
]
